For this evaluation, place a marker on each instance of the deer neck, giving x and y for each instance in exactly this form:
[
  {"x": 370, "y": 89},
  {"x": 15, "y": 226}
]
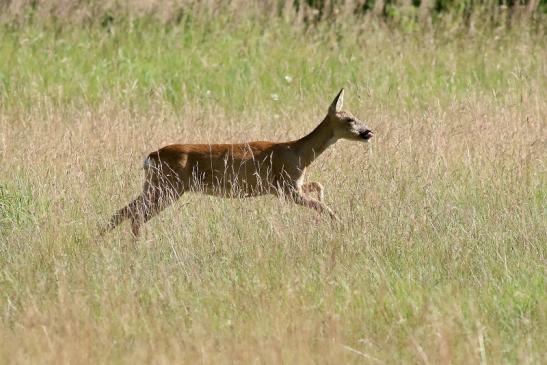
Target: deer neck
[{"x": 315, "y": 143}]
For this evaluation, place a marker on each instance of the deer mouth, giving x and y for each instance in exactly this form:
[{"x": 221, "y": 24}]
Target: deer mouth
[{"x": 366, "y": 135}]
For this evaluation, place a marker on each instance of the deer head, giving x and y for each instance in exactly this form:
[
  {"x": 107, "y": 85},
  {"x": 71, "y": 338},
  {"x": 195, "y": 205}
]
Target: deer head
[{"x": 344, "y": 124}]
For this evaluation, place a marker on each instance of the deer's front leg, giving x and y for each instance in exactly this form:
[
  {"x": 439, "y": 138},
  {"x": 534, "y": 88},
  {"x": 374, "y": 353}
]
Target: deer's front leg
[
  {"x": 313, "y": 186},
  {"x": 299, "y": 198}
]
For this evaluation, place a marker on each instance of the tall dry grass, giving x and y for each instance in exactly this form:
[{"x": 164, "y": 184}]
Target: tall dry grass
[{"x": 440, "y": 256}]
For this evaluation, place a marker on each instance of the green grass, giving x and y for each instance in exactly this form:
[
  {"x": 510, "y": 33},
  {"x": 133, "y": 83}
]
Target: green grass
[
  {"x": 253, "y": 61},
  {"x": 440, "y": 256}
]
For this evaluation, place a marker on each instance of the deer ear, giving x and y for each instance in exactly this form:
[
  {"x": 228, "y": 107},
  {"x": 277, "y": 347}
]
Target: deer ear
[{"x": 337, "y": 103}]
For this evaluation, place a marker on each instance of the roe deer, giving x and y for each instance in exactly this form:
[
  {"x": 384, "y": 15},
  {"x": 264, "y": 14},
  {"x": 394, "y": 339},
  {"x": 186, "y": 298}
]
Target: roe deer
[{"x": 240, "y": 170}]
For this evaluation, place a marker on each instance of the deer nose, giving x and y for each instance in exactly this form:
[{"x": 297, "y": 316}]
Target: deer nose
[{"x": 366, "y": 134}]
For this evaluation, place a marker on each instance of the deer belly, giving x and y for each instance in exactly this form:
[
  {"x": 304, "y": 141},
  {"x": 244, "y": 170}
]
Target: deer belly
[{"x": 235, "y": 183}]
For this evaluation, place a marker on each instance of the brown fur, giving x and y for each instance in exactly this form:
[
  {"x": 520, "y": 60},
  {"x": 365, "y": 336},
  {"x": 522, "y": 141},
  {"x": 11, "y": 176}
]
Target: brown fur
[{"x": 239, "y": 170}]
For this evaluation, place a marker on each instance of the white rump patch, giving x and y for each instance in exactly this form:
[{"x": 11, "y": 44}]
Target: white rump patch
[{"x": 148, "y": 163}]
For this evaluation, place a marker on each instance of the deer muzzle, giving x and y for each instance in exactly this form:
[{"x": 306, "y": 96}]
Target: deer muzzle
[{"x": 366, "y": 134}]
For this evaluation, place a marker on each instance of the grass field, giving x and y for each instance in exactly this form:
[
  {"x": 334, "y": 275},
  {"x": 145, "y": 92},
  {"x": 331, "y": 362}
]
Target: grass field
[{"x": 440, "y": 256}]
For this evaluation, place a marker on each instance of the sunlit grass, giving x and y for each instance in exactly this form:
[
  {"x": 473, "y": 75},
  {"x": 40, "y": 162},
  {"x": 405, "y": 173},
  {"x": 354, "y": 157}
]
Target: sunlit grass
[{"x": 440, "y": 255}]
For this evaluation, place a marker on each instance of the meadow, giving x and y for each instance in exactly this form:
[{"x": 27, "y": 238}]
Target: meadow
[{"x": 440, "y": 254}]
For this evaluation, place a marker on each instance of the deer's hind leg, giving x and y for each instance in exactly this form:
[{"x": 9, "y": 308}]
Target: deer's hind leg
[
  {"x": 157, "y": 195},
  {"x": 159, "y": 191}
]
